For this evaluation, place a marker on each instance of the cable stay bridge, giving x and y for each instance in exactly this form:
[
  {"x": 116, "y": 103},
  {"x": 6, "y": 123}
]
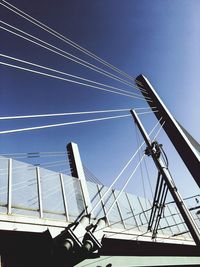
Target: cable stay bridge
[{"x": 55, "y": 212}]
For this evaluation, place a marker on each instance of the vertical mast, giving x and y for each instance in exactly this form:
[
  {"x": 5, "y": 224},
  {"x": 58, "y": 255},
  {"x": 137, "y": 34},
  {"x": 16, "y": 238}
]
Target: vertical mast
[
  {"x": 77, "y": 171},
  {"x": 163, "y": 170},
  {"x": 177, "y": 136}
]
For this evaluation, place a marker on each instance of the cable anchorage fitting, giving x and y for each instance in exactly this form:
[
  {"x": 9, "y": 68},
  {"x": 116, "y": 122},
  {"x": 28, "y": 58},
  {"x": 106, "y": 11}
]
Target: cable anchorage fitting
[{"x": 155, "y": 149}]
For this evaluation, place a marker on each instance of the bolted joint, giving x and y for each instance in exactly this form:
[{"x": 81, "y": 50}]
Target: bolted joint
[
  {"x": 71, "y": 239},
  {"x": 93, "y": 237},
  {"x": 68, "y": 244},
  {"x": 90, "y": 243},
  {"x": 155, "y": 149},
  {"x": 148, "y": 151}
]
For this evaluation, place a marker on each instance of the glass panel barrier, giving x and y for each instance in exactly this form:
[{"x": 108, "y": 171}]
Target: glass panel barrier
[
  {"x": 3, "y": 184},
  {"x": 24, "y": 189},
  {"x": 75, "y": 202},
  {"x": 52, "y": 201},
  {"x": 95, "y": 193}
]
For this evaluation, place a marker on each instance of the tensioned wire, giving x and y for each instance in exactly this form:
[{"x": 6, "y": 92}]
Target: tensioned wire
[
  {"x": 120, "y": 175},
  {"x": 68, "y": 80},
  {"x": 138, "y": 226},
  {"x": 122, "y": 171},
  {"x": 135, "y": 226},
  {"x": 46, "y": 193},
  {"x": 45, "y": 178},
  {"x": 86, "y": 64},
  {"x": 148, "y": 177},
  {"x": 148, "y": 112},
  {"x": 33, "y": 156},
  {"x": 125, "y": 185},
  {"x": 138, "y": 138},
  {"x": 123, "y": 219},
  {"x": 63, "y": 38},
  {"x": 61, "y": 124},
  {"x": 69, "y": 75},
  {"x": 51, "y": 192},
  {"x": 30, "y": 167},
  {"x": 140, "y": 86},
  {"x": 156, "y": 135},
  {"x": 90, "y": 176},
  {"x": 64, "y": 124},
  {"x": 80, "y": 62},
  {"x": 141, "y": 169},
  {"x": 125, "y": 166},
  {"x": 70, "y": 113},
  {"x": 30, "y": 155}
]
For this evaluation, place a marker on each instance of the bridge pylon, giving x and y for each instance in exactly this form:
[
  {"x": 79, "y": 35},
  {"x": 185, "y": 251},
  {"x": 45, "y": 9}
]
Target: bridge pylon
[
  {"x": 78, "y": 172},
  {"x": 172, "y": 128}
]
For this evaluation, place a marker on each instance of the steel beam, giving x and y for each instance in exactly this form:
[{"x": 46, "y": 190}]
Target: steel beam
[{"x": 177, "y": 136}]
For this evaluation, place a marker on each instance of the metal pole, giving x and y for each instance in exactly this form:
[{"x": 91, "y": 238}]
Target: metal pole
[
  {"x": 170, "y": 183},
  {"x": 64, "y": 197},
  {"x": 39, "y": 192},
  {"x": 174, "y": 131},
  {"x": 9, "y": 197},
  {"x": 118, "y": 208}
]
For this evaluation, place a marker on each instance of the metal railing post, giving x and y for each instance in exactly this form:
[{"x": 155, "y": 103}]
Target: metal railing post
[
  {"x": 132, "y": 210},
  {"x": 39, "y": 192},
  {"x": 64, "y": 197},
  {"x": 102, "y": 203},
  {"x": 9, "y": 196},
  {"x": 119, "y": 210}
]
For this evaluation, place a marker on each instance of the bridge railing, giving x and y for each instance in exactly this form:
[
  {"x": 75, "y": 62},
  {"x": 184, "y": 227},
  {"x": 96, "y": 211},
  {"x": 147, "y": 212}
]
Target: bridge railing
[
  {"x": 38, "y": 192},
  {"x": 30, "y": 191},
  {"x": 133, "y": 212}
]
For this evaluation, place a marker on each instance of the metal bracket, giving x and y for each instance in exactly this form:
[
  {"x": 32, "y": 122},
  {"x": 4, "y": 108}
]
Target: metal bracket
[
  {"x": 190, "y": 222},
  {"x": 71, "y": 239},
  {"x": 93, "y": 237},
  {"x": 155, "y": 149}
]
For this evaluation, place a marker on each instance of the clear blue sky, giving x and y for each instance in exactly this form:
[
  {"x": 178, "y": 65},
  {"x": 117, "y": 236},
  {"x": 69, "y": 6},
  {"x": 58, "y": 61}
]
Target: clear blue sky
[{"x": 158, "y": 38}]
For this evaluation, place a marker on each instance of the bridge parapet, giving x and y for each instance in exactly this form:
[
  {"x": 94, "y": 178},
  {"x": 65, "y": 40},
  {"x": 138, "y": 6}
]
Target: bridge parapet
[{"x": 34, "y": 199}]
